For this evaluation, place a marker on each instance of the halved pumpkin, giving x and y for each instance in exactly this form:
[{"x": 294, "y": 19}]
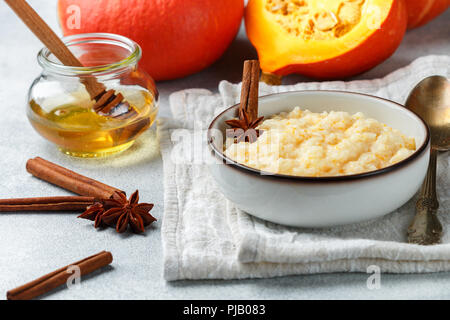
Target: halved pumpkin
[{"x": 324, "y": 39}]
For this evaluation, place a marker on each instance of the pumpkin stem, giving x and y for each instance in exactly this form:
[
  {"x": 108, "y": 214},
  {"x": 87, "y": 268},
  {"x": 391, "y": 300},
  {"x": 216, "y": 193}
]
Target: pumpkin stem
[{"x": 271, "y": 78}]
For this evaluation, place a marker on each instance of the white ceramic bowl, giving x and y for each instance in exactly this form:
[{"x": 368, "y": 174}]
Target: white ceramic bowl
[{"x": 323, "y": 201}]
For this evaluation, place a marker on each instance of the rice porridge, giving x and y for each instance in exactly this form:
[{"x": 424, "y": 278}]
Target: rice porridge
[{"x": 303, "y": 143}]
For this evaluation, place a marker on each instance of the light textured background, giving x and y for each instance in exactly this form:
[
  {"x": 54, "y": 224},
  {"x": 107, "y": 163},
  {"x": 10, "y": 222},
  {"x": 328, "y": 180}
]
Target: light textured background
[{"x": 34, "y": 244}]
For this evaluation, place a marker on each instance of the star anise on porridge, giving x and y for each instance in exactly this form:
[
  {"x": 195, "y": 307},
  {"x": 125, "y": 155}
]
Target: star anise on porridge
[
  {"x": 119, "y": 212},
  {"x": 243, "y": 129}
]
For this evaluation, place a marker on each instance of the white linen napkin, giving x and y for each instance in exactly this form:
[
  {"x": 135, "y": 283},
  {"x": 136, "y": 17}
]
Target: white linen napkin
[{"x": 206, "y": 237}]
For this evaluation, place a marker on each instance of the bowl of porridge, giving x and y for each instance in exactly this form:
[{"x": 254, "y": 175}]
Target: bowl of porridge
[{"x": 323, "y": 158}]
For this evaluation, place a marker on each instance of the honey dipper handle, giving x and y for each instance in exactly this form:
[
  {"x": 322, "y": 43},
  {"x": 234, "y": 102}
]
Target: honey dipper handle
[{"x": 38, "y": 26}]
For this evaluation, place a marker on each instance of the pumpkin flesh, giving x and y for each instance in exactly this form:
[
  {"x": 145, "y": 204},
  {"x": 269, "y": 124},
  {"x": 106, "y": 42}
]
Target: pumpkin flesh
[{"x": 324, "y": 39}]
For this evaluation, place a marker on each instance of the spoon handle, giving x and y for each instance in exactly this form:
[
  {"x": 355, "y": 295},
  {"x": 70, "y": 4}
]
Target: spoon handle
[{"x": 425, "y": 228}]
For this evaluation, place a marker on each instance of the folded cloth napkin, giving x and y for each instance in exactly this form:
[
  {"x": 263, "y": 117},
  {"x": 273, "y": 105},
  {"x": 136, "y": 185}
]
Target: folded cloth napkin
[{"x": 206, "y": 237}]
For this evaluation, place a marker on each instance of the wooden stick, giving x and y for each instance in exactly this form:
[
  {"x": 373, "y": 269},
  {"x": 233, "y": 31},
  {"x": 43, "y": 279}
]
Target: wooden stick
[
  {"x": 69, "y": 180},
  {"x": 59, "y": 277}
]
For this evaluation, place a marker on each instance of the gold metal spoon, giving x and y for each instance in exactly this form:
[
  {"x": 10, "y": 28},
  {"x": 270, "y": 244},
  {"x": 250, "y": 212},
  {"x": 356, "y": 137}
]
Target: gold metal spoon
[{"x": 430, "y": 99}]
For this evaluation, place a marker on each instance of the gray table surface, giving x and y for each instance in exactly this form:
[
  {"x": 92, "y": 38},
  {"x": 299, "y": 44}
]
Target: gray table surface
[{"x": 34, "y": 244}]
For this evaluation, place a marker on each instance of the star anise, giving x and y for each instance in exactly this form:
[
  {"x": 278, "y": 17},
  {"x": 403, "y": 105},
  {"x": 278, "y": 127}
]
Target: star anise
[
  {"x": 119, "y": 212},
  {"x": 94, "y": 213},
  {"x": 243, "y": 129},
  {"x": 128, "y": 212}
]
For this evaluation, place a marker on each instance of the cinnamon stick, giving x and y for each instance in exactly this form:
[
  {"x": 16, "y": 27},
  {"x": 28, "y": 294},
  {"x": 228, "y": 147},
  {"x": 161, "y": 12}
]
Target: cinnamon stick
[
  {"x": 59, "y": 277},
  {"x": 46, "y": 204},
  {"x": 250, "y": 87},
  {"x": 245, "y": 127},
  {"x": 69, "y": 180},
  {"x": 49, "y": 38}
]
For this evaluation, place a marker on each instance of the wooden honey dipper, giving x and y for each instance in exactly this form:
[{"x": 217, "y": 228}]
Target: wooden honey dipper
[{"x": 105, "y": 100}]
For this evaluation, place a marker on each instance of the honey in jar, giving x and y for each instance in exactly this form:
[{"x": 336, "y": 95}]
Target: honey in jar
[{"x": 61, "y": 110}]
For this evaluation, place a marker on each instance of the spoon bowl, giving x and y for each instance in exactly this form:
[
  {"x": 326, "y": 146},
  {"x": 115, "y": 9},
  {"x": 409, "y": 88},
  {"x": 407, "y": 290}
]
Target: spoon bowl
[{"x": 430, "y": 99}]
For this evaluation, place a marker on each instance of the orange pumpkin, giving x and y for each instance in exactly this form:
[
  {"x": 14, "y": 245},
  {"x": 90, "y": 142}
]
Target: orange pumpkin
[
  {"x": 422, "y": 11},
  {"x": 178, "y": 37},
  {"x": 324, "y": 39}
]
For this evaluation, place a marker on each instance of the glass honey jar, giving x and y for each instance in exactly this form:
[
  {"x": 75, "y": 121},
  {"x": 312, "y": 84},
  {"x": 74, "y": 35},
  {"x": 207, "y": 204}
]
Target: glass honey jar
[{"x": 61, "y": 109}]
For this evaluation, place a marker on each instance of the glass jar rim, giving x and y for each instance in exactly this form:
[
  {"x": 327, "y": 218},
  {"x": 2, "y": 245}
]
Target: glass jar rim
[{"x": 99, "y": 38}]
